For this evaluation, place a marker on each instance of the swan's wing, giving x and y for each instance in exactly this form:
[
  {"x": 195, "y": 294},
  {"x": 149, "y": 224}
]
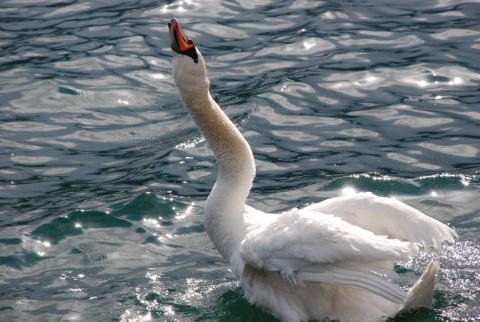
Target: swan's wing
[
  {"x": 390, "y": 217},
  {"x": 303, "y": 246},
  {"x": 310, "y": 237}
]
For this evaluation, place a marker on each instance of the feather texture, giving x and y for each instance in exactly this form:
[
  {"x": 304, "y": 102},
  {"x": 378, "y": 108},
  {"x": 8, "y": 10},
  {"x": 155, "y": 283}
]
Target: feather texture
[{"x": 389, "y": 217}]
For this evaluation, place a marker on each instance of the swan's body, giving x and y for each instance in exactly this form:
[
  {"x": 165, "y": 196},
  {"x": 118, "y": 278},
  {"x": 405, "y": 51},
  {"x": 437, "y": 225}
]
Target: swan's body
[{"x": 331, "y": 260}]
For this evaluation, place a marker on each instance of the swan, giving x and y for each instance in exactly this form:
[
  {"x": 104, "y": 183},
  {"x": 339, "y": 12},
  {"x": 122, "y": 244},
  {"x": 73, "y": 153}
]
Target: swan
[{"x": 332, "y": 260}]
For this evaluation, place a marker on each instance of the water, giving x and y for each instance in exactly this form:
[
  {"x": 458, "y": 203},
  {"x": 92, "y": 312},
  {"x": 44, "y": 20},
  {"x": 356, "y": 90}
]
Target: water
[{"x": 103, "y": 174}]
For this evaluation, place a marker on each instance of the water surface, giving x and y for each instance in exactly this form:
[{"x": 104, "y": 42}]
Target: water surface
[{"x": 103, "y": 174}]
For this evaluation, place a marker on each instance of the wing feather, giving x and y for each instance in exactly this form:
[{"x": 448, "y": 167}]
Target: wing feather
[
  {"x": 296, "y": 239},
  {"x": 368, "y": 281},
  {"x": 387, "y": 216}
]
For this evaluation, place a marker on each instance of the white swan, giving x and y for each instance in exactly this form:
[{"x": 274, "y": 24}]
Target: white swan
[{"x": 331, "y": 260}]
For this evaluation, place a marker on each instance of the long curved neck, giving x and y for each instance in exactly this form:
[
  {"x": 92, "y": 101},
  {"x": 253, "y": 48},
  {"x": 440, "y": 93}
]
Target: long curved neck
[{"x": 225, "y": 205}]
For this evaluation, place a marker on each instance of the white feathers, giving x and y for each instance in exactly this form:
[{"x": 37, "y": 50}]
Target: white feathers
[
  {"x": 347, "y": 242},
  {"x": 301, "y": 238},
  {"x": 366, "y": 281},
  {"x": 390, "y": 217},
  {"x": 310, "y": 246}
]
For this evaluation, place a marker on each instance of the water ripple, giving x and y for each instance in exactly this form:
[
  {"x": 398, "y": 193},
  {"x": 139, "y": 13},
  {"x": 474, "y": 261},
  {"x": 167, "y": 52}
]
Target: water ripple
[{"x": 103, "y": 174}]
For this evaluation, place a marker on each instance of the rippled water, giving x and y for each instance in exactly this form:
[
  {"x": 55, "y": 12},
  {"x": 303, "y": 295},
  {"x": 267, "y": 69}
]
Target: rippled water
[{"x": 103, "y": 174}]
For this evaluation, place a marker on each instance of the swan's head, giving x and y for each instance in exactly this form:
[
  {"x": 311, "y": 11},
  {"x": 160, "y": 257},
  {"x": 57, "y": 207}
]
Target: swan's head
[{"x": 189, "y": 71}]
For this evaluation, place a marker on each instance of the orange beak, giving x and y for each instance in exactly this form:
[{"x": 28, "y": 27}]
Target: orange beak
[{"x": 178, "y": 41}]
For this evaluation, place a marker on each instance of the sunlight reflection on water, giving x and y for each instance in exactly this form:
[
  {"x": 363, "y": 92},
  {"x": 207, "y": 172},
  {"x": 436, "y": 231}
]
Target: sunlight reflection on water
[{"x": 334, "y": 98}]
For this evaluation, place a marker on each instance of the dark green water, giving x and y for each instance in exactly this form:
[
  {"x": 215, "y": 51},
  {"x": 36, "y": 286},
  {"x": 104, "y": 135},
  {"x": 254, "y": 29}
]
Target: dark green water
[{"x": 103, "y": 174}]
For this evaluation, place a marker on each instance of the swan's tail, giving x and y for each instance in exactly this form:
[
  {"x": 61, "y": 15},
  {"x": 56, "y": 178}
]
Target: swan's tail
[{"x": 421, "y": 294}]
